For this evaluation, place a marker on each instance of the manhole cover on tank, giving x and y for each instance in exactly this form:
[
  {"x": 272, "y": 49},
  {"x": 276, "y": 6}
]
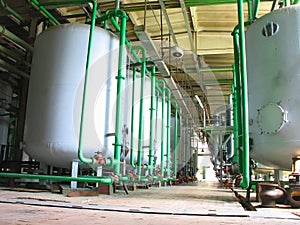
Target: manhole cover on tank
[{"x": 271, "y": 118}]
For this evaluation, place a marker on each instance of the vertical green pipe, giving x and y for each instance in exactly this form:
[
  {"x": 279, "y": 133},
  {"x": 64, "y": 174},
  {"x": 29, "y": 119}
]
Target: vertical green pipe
[
  {"x": 237, "y": 100},
  {"x": 152, "y": 109},
  {"x": 132, "y": 118},
  {"x": 245, "y": 153},
  {"x": 175, "y": 138},
  {"x": 250, "y": 12},
  {"x": 295, "y": 2},
  {"x": 120, "y": 78},
  {"x": 256, "y": 6},
  {"x": 168, "y": 131},
  {"x": 156, "y": 122},
  {"x": 162, "y": 149},
  {"x": 141, "y": 119},
  {"x": 235, "y": 120},
  {"x": 87, "y": 68}
]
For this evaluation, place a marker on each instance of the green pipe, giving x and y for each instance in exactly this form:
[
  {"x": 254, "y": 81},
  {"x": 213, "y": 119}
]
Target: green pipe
[
  {"x": 132, "y": 163},
  {"x": 162, "y": 91},
  {"x": 237, "y": 95},
  {"x": 141, "y": 119},
  {"x": 120, "y": 78},
  {"x": 245, "y": 127},
  {"x": 152, "y": 109},
  {"x": 65, "y": 3},
  {"x": 256, "y": 7},
  {"x": 104, "y": 180},
  {"x": 45, "y": 12},
  {"x": 295, "y": 2},
  {"x": 12, "y": 12},
  {"x": 156, "y": 120},
  {"x": 87, "y": 69},
  {"x": 235, "y": 121},
  {"x": 109, "y": 15},
  {"x": 175, "y": 139},
  {"x": 250, "y": 12},
  {"x": 13, "y": 37},
  {"x": 168, "y": 131}
]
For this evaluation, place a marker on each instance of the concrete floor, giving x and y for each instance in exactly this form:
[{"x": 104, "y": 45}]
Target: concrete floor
[{"x": 199, "y": 203}]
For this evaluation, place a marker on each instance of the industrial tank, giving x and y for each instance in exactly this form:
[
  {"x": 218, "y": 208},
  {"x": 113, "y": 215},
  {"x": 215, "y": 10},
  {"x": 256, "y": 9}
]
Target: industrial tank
[
  {"x": 56, "y": 91},
  {"x": 273, "y": 56}
]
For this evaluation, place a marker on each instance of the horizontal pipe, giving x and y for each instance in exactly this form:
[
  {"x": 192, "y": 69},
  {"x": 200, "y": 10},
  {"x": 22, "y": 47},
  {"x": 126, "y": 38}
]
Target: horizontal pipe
[
  {"x": 45, "y": 12},
  {"x": 13, "y": 69},
  {"x": 12, "y": 12},
  {"x": 16, "y": 39},
  {"x": 103, "y": 180}
]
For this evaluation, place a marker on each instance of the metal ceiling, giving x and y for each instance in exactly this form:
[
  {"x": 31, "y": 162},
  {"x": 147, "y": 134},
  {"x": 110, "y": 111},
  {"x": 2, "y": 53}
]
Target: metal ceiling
[{"x": 202, "y": 29}]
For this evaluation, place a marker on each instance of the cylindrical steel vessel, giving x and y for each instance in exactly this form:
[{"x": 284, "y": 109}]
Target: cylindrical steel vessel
[
  {"x": 273, "y": 56},
  {"x": 55, "y": 95}
]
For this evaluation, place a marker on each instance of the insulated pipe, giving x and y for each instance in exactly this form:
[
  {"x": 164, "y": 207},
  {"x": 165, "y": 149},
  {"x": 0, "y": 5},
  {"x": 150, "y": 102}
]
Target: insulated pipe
[
  {"x": 87, "y": 68},
  {"x": 152, "y": 109},
  {"x": 168, "y": 131},
  {"x": 11, "y": 11},
  {"x": 103, "y": 180},
  {"x": 175, "y": 137},
  {"x": 14, "y": 38},
  {"x": 245, "y": 127},
  {"x": 162, "y": 91}
]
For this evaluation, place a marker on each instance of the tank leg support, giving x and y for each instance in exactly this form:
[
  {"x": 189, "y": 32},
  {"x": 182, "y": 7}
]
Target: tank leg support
[{"x": 74, "y": 173}]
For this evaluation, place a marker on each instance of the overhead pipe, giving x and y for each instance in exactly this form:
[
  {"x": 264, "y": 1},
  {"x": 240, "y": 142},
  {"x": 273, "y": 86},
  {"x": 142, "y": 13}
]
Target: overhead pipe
[
  {"x": 245, "y": 127},
  {"x": 16, "y": 39},
  {"x": 45, "y": 12},
  {"x": 12, "y": 12}
]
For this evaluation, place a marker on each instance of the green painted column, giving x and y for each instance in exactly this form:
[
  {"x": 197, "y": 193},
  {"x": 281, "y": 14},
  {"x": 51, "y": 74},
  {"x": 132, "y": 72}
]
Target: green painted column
[
  {"x": 245, "y": 127},
  {"x": 120, "y": 78},
  {"x": 152, "y": 110}
]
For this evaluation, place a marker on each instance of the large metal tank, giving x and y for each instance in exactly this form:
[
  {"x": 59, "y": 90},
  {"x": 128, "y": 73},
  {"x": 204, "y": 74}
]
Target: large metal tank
[
  {"x": 273, "y": 56},
  {"x": 55, "y": 95}
]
